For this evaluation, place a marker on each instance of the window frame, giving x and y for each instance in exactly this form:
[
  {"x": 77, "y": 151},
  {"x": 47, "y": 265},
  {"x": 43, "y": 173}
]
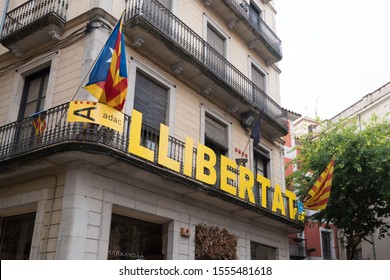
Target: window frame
[
  {"x": 205, "y": 110},
  {"x": 123, "y": 210},
  {"x": 265, "y": 155},
  {"x": 26, "y": 70},
  {"x": 254, "y": 244},
  {"x": 41, "y": 74},
  {"x": 136, "y": 66},
  {"x": 209, "y": 22},
  {"x": 252, "y": 63},
  {"x": 331, "y": 241},
  {"x": 14, "y": 215}
]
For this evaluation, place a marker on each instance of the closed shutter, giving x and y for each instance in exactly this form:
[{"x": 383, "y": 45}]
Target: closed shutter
[
  {"x": 258, "y": 78},
  {"x": 216, "y": 40},
  {"x": 166, "y": 3},
  {"x": 151, "y": 99},
  {"x": 216, "y": 131}
]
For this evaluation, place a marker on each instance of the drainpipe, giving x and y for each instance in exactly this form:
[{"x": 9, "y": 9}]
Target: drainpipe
[{"x": 5, "y": 9}]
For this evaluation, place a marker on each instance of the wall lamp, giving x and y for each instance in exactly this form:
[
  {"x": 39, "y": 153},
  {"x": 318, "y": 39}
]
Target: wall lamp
[{"x": 248, "y": 119}]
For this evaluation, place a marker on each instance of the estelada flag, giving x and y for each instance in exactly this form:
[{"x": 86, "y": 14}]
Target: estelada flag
[
  {"x": 320, "y": 191},
  {"x": 39, "y": 123},
  {"x": 108, "y": 78}
]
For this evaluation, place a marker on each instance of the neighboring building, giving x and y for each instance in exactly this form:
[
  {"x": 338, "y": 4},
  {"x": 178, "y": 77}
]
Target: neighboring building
[
  {"x": 297, "y": 243},
  {"x": 289, "y": 143},
  {"x": 205, "y": 69},
  {"x": 378, "y": 103},
  {"x": 315, "y": 242}
]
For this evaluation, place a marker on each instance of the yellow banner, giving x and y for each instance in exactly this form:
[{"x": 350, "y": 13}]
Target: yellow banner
[{"x": 98, "y": 113}]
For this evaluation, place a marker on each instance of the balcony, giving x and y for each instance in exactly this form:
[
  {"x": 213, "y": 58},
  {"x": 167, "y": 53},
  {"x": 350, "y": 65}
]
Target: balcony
[
  {"x": 244, "y": 20},
  {"x": 163, "y": 38},
  {"x": 22, "y": 148},
  {"x": 33, "y": 24},
  {"x": 297, "y": 248}
]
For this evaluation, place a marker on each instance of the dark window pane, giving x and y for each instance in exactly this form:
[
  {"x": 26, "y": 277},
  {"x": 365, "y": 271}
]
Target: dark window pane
[
  {"x": 16, "y": 237},
  {"x": 262, "y": 252},
  {"x": 326, "y": 245},
  {"x": 132, "y": 239},
  {"x": 34, "y": 93}
]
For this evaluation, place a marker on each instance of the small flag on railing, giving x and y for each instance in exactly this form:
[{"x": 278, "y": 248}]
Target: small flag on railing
[
  {"x": 320, "y": 191},
  {"x": 256, "y": 132},
  {"x": 108, "y": 78},
  {"x": 39, "y": 123}
]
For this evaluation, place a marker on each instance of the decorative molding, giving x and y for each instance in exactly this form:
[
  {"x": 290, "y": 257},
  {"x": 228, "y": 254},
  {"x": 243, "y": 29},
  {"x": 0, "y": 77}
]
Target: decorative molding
[
  {"x": 207, "y": 3},
  {"x": 252, "y": 45},
  {"x": 177, "y": 69},
  {"x": 138, "y": 41},
  {"x": 17, "y": 51},
  {"x": 207, "y": 90},
  {"x": 233, "y": 108},
  {"x": 231, "y": 24},
  {"x": 54, "y": 34}
]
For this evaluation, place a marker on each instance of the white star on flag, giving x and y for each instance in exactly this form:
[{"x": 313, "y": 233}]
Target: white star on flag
[{"x": 110, "y": 59}]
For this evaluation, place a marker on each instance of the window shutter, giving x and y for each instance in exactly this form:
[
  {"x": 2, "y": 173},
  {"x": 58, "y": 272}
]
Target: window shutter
[
  {"x": 258, "y": 78},
  {"x": 166, "y": 3},
  {"x": 151, "y": 99},
  {"x": 216, "y": 131},
  {"x": 215, "y": 40}
]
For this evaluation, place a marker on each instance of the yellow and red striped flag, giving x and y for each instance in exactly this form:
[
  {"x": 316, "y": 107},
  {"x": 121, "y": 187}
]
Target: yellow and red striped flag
[
  {"x": 108, "y": 78},
  {"x": 39, "y": 125},
  {"x": 320, "y": 191}
]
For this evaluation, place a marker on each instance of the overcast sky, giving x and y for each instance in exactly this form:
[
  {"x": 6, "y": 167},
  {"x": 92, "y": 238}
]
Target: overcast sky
[{"x": 334, "y": 53}]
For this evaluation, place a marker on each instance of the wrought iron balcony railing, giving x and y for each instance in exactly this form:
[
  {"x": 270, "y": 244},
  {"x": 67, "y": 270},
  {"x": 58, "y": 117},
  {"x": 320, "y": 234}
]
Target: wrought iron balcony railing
[
  {"x": 179, "y": 34},
  {"x": 30, "y": 12},
  {"x": 49, "y": 130},
  {"x": 258, "y": 24},
  {"x": 297, "y": 248}
]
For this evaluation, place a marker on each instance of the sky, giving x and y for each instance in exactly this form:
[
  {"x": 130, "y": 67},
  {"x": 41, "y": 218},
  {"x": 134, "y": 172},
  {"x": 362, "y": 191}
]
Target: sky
[{"x": 334, "y": 53}]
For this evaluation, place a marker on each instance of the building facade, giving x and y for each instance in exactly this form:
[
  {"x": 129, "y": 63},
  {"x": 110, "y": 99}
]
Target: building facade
[{"x": 206, "y": 70}]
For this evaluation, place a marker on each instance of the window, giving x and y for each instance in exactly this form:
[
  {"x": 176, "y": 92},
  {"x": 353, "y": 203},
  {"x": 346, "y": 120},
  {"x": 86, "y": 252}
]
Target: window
[
  {"x": 216, "y": 40},
  {"x": 326, "y": 245},
  {"x": 166, "y": 3},
  {"x": 16, "y": 236},
  {"x": 148, "y": 3},
  {"x": 132, "y": 239},
  {"x": 262, "y": 252},
  {"x": 262, "y": 160},
  {"x": 217, "y": 132},
  {"x": 358, "y": 254},
  {"x": 34, "y": 93},
  {"x": 258, "y": 79},
  {"x": 216, "y": 138},
  {"x": 261, "y": 167},
  {"x": 255, "y": 14},
  {"x": 151, "y": 99},
  {"x": 33, "y": 100}
]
